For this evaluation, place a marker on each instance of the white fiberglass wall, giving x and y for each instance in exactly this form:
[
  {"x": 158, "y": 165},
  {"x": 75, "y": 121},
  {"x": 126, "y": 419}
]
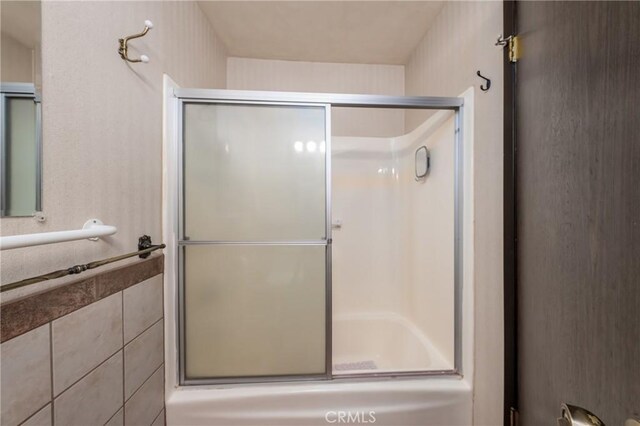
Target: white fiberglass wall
[{"x": 393, "y": 252}]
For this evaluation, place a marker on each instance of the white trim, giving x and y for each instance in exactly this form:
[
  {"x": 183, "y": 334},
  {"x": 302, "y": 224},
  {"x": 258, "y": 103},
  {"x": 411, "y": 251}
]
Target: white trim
[{"x": 169, "y": 220}]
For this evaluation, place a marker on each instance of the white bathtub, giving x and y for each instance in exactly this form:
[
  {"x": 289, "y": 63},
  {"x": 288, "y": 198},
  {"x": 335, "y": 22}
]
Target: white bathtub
[
  {"x": 389, "y": 340},
  {"x": 431, "y": 401},
  {"x": 382, "y": 342}
]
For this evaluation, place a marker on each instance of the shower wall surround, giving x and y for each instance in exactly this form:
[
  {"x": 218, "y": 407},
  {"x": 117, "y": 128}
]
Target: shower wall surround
[
  {"x": 102, "y": 125},
  {"x": 87, "y": 353},
  {"x": 459, "y": 42},
  {"x": 393, "y": 256}
]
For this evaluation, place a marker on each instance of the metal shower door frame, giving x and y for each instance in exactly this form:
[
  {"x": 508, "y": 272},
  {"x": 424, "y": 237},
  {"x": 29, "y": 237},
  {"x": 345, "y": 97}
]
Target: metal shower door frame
[{"x": 326, "y": 100}]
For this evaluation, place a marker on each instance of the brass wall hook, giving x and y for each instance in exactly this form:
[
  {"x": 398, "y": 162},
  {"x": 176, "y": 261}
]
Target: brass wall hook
[{"x": 123, "y": 50}]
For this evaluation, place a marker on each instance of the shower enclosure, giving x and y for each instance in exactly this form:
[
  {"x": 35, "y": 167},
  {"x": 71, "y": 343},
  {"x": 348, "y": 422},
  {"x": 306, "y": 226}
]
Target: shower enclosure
[{"x": 303, "y": 255}]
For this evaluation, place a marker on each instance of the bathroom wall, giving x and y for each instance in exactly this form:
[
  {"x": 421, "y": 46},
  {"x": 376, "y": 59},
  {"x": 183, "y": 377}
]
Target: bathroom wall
[
  {"x": 16, "y": 62},
  {"x": 293, "y": 76},
  {"x": 460, "y": 42},
  {"x": 88, "y": 353},
  {"x": 102, "y": 124}
]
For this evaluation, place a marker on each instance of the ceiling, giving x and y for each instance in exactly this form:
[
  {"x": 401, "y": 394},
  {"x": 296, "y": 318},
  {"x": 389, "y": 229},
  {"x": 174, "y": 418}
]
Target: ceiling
[
  {"x": 21, "y": 20},
  {"x": 371, "y": 32}
]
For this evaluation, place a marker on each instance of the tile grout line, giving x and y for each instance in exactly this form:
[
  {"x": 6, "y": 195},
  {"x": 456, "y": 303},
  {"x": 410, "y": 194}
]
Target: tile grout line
[
  {"x": 53, "y": 394},
  {"x": 114, "y": 414},
  {"x": 145, "y": 381},
  {"x": 51, "y": 368},
  {"x": 144, "y": 331},
  {"x": 34, "y": 413},
  {"x": 53, "y": 397},
  {"x": 157, "y": 415},
  {"x": 89, "y": 372},
  {"x": 164, "y": 361},
  {"x": 123, "y": 365}
]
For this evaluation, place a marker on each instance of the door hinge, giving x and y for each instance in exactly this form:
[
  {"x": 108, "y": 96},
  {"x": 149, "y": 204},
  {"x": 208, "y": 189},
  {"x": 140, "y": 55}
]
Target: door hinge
[
  {"x": 513, "y": 44},
  {"x": 513, "y": 417}
]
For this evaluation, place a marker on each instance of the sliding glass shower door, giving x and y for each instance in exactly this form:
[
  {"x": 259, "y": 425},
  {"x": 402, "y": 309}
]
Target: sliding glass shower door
[{"x": 254, "y": 236}]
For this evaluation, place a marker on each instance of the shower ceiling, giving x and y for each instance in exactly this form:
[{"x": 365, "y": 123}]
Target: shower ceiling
[{"x": 373, "y": 32}]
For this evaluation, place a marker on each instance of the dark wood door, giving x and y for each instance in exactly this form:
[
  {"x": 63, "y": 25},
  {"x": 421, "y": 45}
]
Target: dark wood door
[{"x": 578, "y": 209}]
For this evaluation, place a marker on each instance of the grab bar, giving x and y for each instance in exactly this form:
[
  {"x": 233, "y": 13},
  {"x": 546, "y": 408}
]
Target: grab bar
[{"x": 93, "y": 229}]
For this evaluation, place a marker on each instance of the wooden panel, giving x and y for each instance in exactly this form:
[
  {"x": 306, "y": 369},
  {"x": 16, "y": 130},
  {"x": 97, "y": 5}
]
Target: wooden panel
[{"x": 578, "y": 209}]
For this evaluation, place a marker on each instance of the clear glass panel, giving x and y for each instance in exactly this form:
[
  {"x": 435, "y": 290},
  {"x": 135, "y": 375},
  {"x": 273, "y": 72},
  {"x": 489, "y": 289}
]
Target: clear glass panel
[
  {"x": 20, "y": 157},
  {"x": 254, "y": 310},
  {"x": 254, "y": 172},
  {"x": 393, "y": 247}
]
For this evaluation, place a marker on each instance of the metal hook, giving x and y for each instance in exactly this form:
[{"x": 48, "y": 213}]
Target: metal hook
[
  {"x": 123, "y": 50},
  {"x": 502, "y": 41},
  {"x": 483, "y": 88}
]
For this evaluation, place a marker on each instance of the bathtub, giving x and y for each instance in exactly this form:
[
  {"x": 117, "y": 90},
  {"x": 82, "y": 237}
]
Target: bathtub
[
  {"x": 429, "y": 401},
  {"x": 382, "y": 342},
  {"x": 388, "y": 340}
]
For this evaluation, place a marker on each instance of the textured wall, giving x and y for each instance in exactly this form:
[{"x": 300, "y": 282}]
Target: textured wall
[
  {"x": 102, "y": 123},
  {"x": 16, "y": 62},
  {"x": 292, "y": 76},
  {"x": 461, "y": 42}
]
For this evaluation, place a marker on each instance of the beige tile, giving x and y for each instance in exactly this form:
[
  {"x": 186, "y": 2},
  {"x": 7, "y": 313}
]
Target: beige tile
[
  {"x": 142, "y": 306},
  {"x": 41, "y": 418},
  {"x": 95, "y": 398},
  {"x": 159, "y": 421},
  {"x": 117, "y": 419},
  {"x": 84, "y": 339},
  {"x": 25, "y": 367},
  {"x": 142, "y": 356},
  {"x": 147, "y": 402}
]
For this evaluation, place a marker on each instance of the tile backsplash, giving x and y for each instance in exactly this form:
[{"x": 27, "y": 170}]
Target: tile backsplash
[{"x": 100, "y": 364}]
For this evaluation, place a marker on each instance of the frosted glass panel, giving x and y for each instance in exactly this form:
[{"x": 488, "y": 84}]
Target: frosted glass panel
[
  {"x": 254, "y": 172},
  {"x": 254, "y": 310}
]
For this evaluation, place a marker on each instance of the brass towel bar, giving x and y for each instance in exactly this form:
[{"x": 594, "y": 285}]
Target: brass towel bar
[{"x": 143, "y": 245}]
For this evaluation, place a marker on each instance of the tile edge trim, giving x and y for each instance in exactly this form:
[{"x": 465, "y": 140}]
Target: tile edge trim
[{"x": 23, "y": 315}]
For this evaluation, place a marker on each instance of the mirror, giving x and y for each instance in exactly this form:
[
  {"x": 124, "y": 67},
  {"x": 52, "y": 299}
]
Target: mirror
[
  {"x": 20, "y": 108},
  {"x": 423, "y": 162}
]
